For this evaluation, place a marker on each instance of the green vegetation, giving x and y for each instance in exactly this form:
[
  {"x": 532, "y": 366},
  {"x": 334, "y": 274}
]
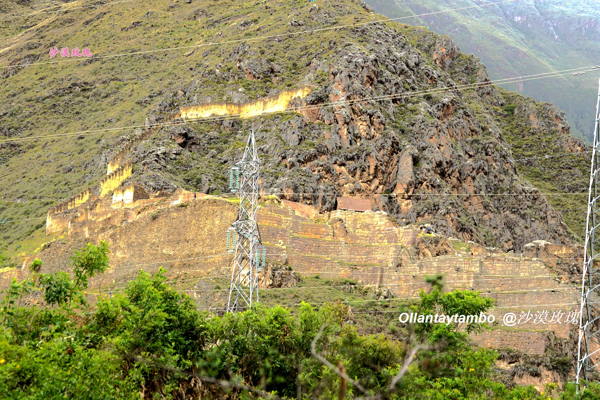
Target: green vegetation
[
  {"x": 460, "y": 246},
  {"x": 565, "y": 177},
  {"x": 518, "y": 39},
  {"x": 150, "y": 342},
  {"x": 73, "y": 95}
]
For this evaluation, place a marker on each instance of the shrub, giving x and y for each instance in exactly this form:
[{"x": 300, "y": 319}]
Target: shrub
[{"x": 510, "y": 109}]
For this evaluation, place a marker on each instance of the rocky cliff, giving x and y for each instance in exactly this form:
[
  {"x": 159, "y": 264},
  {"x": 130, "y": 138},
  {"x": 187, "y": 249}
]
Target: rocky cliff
[
  {"x": 519, "y": 38},
  {"x": 385, "y": 119}
]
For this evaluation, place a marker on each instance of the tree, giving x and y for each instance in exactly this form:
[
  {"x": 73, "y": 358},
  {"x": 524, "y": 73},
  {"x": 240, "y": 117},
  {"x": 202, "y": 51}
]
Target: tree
[
  {"x": 89, "y": 262},
  {"x": 58, "y": 288},
  {"x": 151, "y": 342},
  {"x": 36, "y": 265}
]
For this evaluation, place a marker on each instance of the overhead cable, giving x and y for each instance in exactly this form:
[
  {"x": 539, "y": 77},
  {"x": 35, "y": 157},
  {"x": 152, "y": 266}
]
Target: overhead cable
[
  {"x": 289, "y": 110},
  {"x": 304, "y": 32}
]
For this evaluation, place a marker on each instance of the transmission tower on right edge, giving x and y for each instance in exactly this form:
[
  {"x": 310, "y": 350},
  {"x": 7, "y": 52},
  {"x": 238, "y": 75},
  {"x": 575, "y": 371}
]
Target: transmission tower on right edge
[{"x": 589, "y": 320}]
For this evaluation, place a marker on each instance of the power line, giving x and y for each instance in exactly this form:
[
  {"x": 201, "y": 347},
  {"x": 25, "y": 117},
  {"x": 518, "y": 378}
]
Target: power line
[
  {"x": 513, "y": 160},
  {"x": 482, "y": 291},
  {"x": 440, "y": 194},
  {"x": 214, "y": 309},
  {"x": 268, "y": 192},
  {"x": 329, "y": 256},
  {"x": 286, "y": 251},
  {"x": 367, "y": 195},
  {"x": 304, "y": 32},
  {"x": 478, "y": 85},
  {"x": 64, "y": 7},
  {"x": 553, "y": 156},
  {"x": 475, "y": 281},
  {"x": 20, "y": 220},
  {"x": 349, "y": 302},
  {"x": 211, "y": 309},
  {"x": 304, "y": 108}
]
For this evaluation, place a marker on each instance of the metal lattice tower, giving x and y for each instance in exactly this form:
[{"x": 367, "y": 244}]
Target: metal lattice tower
[
  {"x": 246, "y": 243},
  {"x": 588, "y": 361}
]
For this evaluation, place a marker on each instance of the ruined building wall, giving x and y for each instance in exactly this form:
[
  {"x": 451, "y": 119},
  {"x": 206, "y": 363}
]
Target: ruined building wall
[
  {"x": 57, "y": 222},
  {"x": 57, "y": 218},
  {"x": 119, "y": 159},
  {"x": 114, "y": 180},
  {"x": 73, "y": 202},
  {"x": 114, "y": 164},
  {"x": 129, "y": 194},
  {"x": 189, "y": 239},
  {"x": 246, "y": 110},
  {"x": 118, "y": 169}
]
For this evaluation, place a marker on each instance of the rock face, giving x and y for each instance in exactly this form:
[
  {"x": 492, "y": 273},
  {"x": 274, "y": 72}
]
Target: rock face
[
  {"x": 433, "y": 246},
  {"x": 385, "y": 121},
  {"x": 274, "y": 276},
  {"x": 519, "y": 39},
  {"x": 565, "y": 261}
]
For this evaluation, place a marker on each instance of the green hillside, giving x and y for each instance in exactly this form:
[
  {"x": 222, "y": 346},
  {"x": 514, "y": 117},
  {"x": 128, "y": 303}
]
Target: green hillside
[
  {"x": 395, "y": 114},
  {"x": 62, "y": 119},
  {"x": 523, "y": 38}
]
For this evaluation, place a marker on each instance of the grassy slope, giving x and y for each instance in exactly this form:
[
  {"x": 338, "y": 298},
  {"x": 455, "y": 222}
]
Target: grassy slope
[
  {"x": 567, "y": 176},
  {"x": 514, "y": 40},
  {"x": 40, "y": 100}
]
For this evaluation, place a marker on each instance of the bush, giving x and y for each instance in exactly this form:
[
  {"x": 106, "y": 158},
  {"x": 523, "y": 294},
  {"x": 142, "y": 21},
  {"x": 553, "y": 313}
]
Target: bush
[
  {"x": 510, "y": 109},
  {"x": 36, "y": 265}
]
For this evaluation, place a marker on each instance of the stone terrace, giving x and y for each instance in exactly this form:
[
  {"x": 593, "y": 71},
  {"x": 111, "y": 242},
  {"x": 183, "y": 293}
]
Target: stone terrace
[{"x": 368, "y": 247}]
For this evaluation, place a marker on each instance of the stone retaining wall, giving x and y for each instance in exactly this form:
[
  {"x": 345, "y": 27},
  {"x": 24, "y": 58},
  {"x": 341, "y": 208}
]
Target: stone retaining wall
[{"x": 190, "y": 240}]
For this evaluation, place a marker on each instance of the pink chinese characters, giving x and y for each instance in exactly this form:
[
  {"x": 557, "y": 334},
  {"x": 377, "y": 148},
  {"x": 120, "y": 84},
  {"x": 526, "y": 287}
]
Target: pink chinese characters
[{"x": 64, "y": 52}]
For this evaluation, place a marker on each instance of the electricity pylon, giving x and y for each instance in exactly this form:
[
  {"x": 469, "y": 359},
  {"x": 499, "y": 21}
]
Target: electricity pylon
[
  {"x": 589, "y": 321},
  {"x": 243, "y": 291}
]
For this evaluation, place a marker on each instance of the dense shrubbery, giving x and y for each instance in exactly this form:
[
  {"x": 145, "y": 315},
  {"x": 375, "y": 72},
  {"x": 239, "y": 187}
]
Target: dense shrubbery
[{"x": 152, "y": 341}]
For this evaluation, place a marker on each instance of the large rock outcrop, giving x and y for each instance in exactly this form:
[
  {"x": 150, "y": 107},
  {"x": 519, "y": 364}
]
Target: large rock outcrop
[{"x": 386, "y": 120}]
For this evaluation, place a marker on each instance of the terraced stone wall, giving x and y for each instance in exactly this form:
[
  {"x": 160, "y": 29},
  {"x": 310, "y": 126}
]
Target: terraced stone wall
[{"x": 190, "y": 240}]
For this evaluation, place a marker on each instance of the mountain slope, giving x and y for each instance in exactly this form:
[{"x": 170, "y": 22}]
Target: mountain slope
[
  {"x": 440, "y": 157},
  {"x": 523, "y": 38}
]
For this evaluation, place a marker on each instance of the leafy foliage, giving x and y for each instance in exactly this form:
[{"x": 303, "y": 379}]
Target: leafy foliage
[
  {"x": 36, "y": 265},
  {"x": 58, "y": 288},
  {"x": 88, "y": 262},
  {"x": 150, "y": 342}
]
